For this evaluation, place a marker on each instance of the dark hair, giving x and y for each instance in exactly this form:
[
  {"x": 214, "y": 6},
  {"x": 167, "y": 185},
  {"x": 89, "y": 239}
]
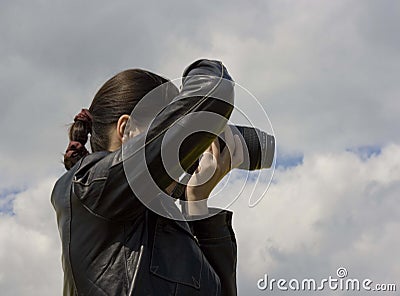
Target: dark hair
[{"x": 118, "y": 96}]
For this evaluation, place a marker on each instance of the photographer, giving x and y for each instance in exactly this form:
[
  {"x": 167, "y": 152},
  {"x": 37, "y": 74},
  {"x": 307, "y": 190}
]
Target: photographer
[{"x": 112, "y": 244}]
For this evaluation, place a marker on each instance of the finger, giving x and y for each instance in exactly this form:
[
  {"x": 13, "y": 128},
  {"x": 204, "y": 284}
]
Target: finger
[
  {"x": 215, "y": 149},
  {"x": 225, "y": 161},
  {"x": 229, "y": 141},
  {"x": 209, "y": 149},
  {"x": 210, "y": 154},
  {"x": 229, "y": 147},
  {"x": 206, "y": 153},
  {"x": 205, "y": 171}
]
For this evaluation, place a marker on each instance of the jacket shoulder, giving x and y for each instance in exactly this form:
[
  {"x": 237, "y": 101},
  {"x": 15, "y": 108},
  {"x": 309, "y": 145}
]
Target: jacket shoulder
[
  {"x": 90, "y": 167},
  {"x": 93, "y": 167}
]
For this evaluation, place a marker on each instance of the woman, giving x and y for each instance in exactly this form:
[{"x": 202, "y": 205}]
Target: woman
[{"x": 112, "y": 244}]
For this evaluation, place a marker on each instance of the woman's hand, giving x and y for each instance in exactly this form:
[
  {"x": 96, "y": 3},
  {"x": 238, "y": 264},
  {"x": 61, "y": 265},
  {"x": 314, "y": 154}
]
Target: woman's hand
[{"x": 214, "y": 165}]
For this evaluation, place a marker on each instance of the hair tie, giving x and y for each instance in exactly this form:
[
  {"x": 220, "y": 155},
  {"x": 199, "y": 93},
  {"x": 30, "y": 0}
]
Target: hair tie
[
  {"x": 84, "y": 116},
  {"x": 75, "y": 149}
]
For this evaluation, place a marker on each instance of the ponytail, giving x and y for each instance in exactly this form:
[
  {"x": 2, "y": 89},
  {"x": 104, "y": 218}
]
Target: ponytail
[{"x": 78, "y": 136}]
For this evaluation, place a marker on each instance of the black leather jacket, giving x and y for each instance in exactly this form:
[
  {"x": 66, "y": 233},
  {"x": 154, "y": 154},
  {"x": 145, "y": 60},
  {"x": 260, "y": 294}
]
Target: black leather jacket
[{"x": 113, "y": 245}]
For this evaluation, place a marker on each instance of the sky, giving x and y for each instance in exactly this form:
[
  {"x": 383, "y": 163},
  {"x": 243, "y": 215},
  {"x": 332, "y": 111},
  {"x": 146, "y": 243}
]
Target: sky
[{"x": 326, "y": 73}]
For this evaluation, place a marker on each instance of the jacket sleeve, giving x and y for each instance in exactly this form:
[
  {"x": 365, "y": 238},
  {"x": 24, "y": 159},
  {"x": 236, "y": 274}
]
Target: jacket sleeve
[
  {"x": 218, "y": 243},
  {"x": 105, "y": 187},
  {"x": 207, "y": 89}
]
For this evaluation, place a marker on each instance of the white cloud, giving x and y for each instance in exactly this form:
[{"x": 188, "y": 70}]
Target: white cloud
[
  {"x": 333, "y": 210},
  {"x": 30, "y": 251},
  {"x": 326, "y": 72}
]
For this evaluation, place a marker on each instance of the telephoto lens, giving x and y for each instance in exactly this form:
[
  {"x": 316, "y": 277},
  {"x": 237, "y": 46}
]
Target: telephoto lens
[
  {"x": 258, "y": 152},
  {"x": 258, "y": 147}
]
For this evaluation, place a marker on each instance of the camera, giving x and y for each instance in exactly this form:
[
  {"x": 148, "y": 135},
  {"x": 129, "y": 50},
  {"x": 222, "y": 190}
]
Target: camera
[
  {"x": 258, "y": 152},
  {"x": 258, "y": 147}
]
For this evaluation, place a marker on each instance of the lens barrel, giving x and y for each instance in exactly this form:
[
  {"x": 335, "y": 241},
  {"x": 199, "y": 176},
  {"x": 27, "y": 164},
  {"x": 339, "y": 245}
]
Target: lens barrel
[
  {"x": 258, "y": 147},
  {"x": 258, "y": 153}
]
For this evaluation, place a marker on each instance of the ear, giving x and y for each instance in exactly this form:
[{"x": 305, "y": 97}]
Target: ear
[{"x": 121, "y": 125}]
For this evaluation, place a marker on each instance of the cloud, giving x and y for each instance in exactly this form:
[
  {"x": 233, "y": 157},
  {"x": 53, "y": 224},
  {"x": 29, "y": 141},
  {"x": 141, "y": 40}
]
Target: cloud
[
  {"x": 30, "y": 251},
  {"x": 333, "y": 210},
  {"x": 325, "y": 72}
]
